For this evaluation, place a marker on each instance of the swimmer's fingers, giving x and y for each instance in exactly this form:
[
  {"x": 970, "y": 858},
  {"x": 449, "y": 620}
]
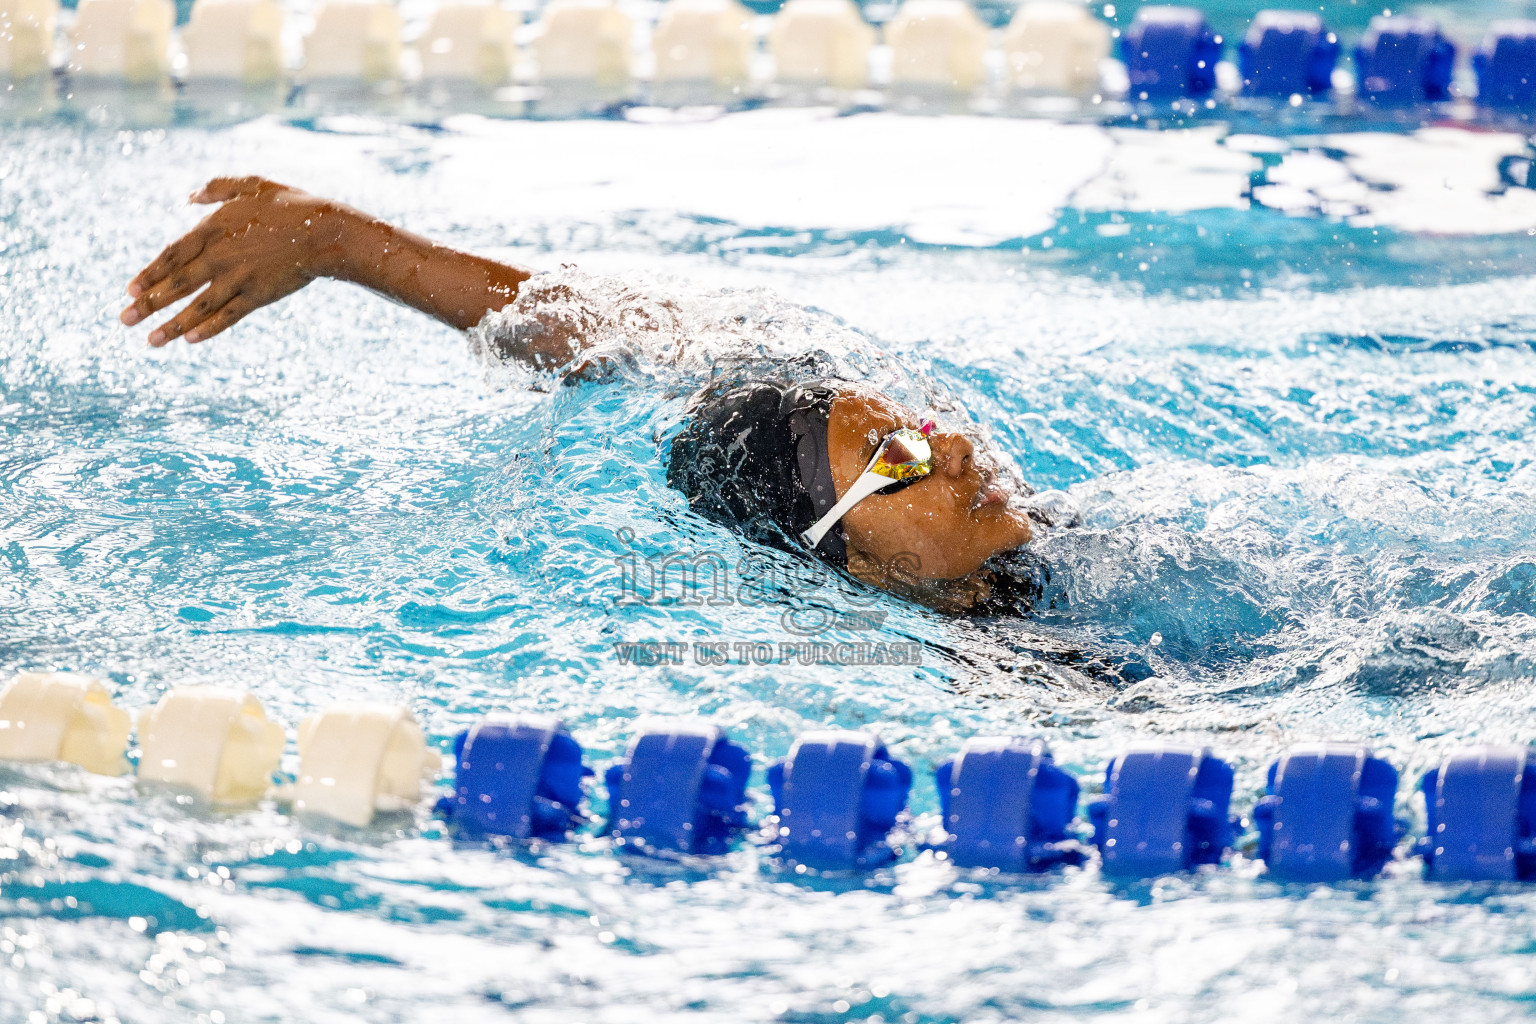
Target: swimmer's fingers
[
  {"x": 191, "y": 245},
  {"x": 231, "y": 313},
  {"x": 214, "y": 300},
  {"x": 178, "y": 254},
  {"x": 222, "y": 190},
  {"x": 177, "y": 284}
]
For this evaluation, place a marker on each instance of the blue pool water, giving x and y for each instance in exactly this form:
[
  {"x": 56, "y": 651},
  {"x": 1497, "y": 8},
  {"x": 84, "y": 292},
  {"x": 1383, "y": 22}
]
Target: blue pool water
[{"x": 1289, "y": 382}]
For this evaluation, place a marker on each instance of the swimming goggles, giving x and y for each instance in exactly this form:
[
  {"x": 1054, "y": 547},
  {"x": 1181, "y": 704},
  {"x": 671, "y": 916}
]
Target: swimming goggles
[{"x": 904, "y": 456}]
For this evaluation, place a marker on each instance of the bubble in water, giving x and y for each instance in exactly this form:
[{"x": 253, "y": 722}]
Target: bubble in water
[{"x": 1156, "y": 640}]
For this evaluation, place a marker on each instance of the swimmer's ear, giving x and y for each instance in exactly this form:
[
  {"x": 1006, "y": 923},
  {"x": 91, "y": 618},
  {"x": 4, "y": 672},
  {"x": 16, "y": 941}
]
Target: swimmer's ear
[
  {"x": 861, "y": 566},
  {"x": 953, "y": 597},
  {"x": 222, "y": 190},
  {"x": 887, "y": 576}
]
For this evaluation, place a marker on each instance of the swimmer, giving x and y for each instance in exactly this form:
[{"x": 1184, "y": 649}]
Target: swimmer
[{"x": 825, "y": 466}]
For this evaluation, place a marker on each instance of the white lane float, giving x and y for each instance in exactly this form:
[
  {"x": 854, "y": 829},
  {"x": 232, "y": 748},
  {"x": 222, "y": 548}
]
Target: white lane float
[
  {"x": 125, "y": 42},
  {"x": 62, "y": 716},
  {"x": 1055, "y": 47},
  {"x": 703, "y": 45},
  {"x": 26, "y": 38},
  {"x": 821, "y": 43},
  {"x": 937, "y": 45},
  {"x": 354, "y": 43},
  {"x": 358, "y": 759},
  {"x": 217, "y": 742},
  {"x": 584, "y": 46},
  {"x": 469, "y": 43},
  {"x": 234, "y": 41}
]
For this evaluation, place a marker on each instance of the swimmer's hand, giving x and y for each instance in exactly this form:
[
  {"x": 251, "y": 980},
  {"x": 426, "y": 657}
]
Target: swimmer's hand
[{"x": 266, "y": 241}]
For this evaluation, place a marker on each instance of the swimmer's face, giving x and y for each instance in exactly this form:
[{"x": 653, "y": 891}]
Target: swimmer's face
[{"x": 945, "y": 525}]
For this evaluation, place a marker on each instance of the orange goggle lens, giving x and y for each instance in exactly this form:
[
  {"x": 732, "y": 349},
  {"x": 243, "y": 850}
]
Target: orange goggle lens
[{"x": 904, "y": 455}]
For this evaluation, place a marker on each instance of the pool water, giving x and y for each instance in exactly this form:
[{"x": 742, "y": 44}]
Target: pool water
[{"x": 1289, "y": 383}]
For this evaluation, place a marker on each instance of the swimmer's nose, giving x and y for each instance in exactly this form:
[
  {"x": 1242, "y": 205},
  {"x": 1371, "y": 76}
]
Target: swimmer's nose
[{"x": 957, "y": 453}]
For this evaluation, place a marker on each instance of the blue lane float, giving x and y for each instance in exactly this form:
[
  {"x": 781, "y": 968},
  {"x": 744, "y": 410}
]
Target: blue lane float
[
  {"x": 838, "y": 796},
  {"x": 1402, "y": 61},
  {"x": 1006, "y": 805},
  {"x": 1481, "y": 808},
  {"x": 1165, "y": 809},
  {"x": 1506, "y": 67},
  {"x": 681, "y": 788},
  {"x": 1327, "y": 815},
  {"x": 1170, "y": 53},
  {"x": 517, "y": 776},
  {"x": 1287, "y": 53}
]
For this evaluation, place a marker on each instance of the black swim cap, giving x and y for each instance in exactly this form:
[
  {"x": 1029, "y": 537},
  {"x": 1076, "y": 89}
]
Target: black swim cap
[{"x": 753, "y": 457}]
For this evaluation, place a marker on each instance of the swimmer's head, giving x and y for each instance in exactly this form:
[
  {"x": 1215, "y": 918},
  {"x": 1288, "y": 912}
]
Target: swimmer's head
[
  {"x": 753, "y": 456},
  {"x": 943, "y": 526},
  {"x": 770, "y": 459}
]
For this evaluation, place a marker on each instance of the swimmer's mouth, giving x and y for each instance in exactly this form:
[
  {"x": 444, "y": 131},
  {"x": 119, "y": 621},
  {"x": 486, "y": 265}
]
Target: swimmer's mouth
[{"x": 989, "y": 493}]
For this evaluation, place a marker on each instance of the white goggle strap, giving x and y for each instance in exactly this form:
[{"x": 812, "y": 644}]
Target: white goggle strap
[{"x": 862, "y": 488}]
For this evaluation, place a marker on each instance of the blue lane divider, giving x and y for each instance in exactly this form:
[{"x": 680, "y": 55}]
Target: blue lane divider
[
  {"x": 1402, "y": 60},
  {"x": 1328, "y": 814},
  {"x": 1506, "y": 67},
  {"x": 517, "y": 776},
  {"x": 1165, "y": 808},
  {"x": 681, "y": 788},
  {"x": 1006, "y": 805},
  {"x": 1481, "y": 806},
  {"x": 838, "y": 796},
  {"x": 1287, "y": 53},
  {"x": 1170, "y": 52}
]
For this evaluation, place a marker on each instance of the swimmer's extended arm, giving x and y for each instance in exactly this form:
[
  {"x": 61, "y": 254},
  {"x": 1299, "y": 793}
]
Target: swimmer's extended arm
[{"x": 267, "y": 241}]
